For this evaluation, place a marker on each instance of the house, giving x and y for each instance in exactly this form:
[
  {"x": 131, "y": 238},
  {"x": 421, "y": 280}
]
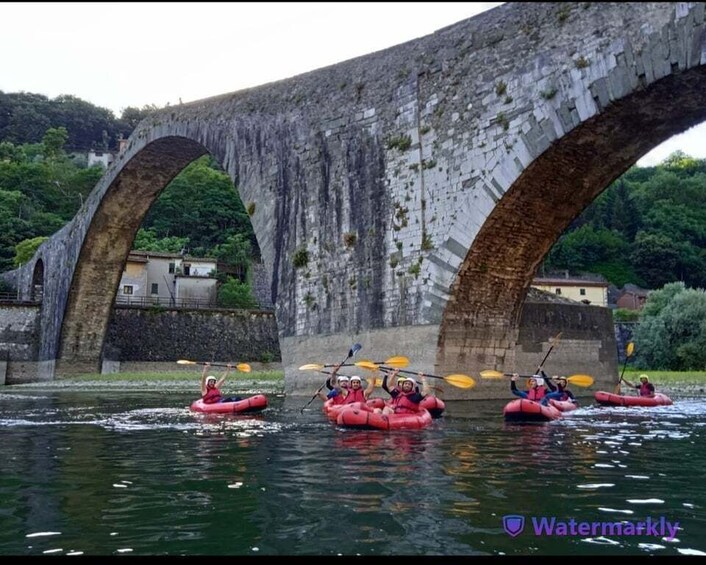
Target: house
[
  {"x": 632, "y": 297},
  {"x": 104, "y": 157},
  {"x": 589, "y": 289},
  {"x": 170, "y": 279}
]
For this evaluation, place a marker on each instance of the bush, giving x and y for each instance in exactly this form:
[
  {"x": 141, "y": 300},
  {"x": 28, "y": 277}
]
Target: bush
[{"x": 236, "y": 294}]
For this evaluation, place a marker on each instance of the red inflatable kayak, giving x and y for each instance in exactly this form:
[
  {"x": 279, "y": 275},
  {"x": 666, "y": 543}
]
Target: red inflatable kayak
[
  {"x": 362, "y": 417},
  {"x": 251, "y": 404},
  {"x": 563, "y": 405},
  {"x": 523, "y": 410},
  {"x": 610, "y": 399},
  {"x": 435, "y": 406}
]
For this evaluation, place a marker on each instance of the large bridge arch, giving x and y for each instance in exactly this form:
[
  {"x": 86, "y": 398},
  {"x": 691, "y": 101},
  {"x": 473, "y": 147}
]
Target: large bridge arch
[{"x": 392, "y": 192}]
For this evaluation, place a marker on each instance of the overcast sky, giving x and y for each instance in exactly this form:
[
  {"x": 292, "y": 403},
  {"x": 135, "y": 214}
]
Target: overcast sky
[{"x": 119, "y": 54}]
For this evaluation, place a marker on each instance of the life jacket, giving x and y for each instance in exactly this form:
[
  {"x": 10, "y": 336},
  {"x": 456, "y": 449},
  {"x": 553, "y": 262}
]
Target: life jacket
[
  {"x": 212, "y": 396},
  {"x": 645, "y": 389},
  {"x": 536, "y": 393},
  {"x": 403, "y": 404},
  {"x": 355, "y": 395},
  {"x": 339, "y": 398}
]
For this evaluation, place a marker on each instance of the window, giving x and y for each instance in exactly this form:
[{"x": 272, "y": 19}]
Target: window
[
  {"x": 187, "y": 269},
  {"x": 172, "y": 268},
  {"x": 127, "y": 289},
  {"x": 557, "y": 291},
  {"x": 155, "y": 288},
  {"x": 582, "y": 291}
]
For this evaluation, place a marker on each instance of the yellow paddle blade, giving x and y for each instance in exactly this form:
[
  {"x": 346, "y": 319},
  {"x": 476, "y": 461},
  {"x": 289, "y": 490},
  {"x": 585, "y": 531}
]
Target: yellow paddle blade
[
  {"x": 378, "y": 382},
  {"x": 311, "y": 367},
  {"x": 398, "y": 362},
  {"x": 460, "y": 381},
  {"x": 490, "y": 374},
  {"x": 366, "y": 365},
  {"x": 630, "y": 349},
  {"x": 186, "y": 362},
  {"x": 580, "y": 380},
  {"x": 243, "y": 367}
]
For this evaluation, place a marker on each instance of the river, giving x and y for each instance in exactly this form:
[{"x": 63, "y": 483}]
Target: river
[{"x": 121, "y": 472}]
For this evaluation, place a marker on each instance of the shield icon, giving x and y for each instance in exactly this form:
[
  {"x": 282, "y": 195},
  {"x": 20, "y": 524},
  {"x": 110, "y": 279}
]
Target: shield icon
[{"x": 514, "y": 524}]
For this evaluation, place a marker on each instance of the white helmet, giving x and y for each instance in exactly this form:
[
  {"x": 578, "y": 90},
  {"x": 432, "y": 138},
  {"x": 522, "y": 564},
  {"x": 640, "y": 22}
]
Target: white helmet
[
  {"x": 343, "y": 378},
  {"x": 211, "y": 378},
  {"x": 410, "y": 379},
  {"x": 356, "y": 378}
]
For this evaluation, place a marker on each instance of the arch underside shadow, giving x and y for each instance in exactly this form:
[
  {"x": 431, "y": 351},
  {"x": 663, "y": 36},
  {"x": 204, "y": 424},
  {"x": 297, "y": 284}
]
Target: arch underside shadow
[
  {"x": 108, "y": 242},
  {"x": 488, "y": 294}
]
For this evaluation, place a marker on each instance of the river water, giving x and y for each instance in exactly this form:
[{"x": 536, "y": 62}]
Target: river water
[{"x": 120, "y": 472}]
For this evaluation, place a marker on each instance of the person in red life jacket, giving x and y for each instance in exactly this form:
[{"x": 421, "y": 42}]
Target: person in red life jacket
[
  {"x": 406, "y": 398},
  {"x": 356, "y": 393},
  {"x": 339, "y": 393},
  {"x": 645, "y": 387},
  {"x": 536, "y": 391},
  {"x": 210, "y": 387}
]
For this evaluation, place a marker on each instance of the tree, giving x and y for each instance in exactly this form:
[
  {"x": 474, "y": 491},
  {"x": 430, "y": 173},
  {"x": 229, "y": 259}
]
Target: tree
[
  {"x": 54, "y": 140},
  {"x": 672, "y": 332},
  {"x": 236, "y": 294},
  {"x": 26, "y": 249}
]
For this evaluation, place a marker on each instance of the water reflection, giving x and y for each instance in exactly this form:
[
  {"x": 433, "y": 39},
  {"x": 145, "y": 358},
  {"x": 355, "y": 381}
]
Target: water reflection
[{"x": 111, "y": 473}]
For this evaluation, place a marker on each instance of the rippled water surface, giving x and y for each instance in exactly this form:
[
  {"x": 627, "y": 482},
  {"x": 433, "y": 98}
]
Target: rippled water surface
[{"x": 102, "y": 473}]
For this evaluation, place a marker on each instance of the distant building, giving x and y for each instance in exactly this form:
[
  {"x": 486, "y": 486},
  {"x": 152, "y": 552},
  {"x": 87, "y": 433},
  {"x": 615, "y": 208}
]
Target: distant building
[
  {"x": 632, "y": 297},
  {"x": 103, "y": 158},
  {"x": 589, "y": 289},
  {"x": 172, "y": 279}
]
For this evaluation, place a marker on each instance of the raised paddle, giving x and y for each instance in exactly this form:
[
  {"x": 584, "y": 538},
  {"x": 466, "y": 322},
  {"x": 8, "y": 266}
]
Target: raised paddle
[
  {"x": 242, "y": 367},
  {"x": 351, "y": 353},
  {"x": 553, "y": 342},
  {"x": 393, "y": 361},
  {"x": 578, "y": 379},
  {"x": 457, "y": 379},
  {"x": 628, "y": 353}
]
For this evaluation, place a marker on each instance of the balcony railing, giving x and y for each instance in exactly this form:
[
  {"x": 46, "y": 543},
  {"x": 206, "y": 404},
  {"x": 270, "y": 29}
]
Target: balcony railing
[{"x": 151, "y": 301}]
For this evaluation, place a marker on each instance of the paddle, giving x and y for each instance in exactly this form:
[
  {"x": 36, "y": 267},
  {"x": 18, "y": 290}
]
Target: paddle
[
  {"x": 578, "y": 379},
  {"x": 628, "y": 353},
  {"x": 242, "y": 367},
  {"x": 392, "y": 361},
  {"x": 351, "y": 353},
  {"x": 553, "y": 342},
  {"x": 457, "y": 379}
]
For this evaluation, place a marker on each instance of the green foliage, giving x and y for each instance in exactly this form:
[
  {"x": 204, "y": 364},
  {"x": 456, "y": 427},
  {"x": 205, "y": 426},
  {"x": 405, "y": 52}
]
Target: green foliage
[
  {"x": 300, "y": 258},
  {"x": 401, "y": 142},
  {"x": 672, "y": 331},
  {"x": 657, "y": 218},
  {"x": 201, "y": 204},
  {"x": 24, "y": 250},
  {"x": 54, "y": 140},
  {"x": 625, "y": 315},
  {"x": 147, "y": 240},
  {"x": 236, "y": 294}
]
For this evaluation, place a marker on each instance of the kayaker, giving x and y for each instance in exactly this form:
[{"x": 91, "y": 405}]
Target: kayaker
[
  {"x": 210, "y": 387},
  {"x": 537, "y": 391},
  {"x": 338, "y": 387},
  {"x": 564, "y": 393},
  {"x": 645, "y": 387},
  {"x": 356, "y": 393},
  {"x": 406, "y": 399}
]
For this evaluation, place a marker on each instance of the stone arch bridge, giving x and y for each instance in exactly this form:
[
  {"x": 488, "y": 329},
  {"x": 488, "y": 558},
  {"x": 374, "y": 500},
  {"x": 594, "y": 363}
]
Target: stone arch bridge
[{"x": 405, "y": 199}]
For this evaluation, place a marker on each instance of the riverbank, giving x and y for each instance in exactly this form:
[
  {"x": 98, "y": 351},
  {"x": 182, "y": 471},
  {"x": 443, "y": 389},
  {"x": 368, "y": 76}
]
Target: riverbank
[
  {"x": 273, "y": 381},
  {"x": 257, "y": 381}
]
